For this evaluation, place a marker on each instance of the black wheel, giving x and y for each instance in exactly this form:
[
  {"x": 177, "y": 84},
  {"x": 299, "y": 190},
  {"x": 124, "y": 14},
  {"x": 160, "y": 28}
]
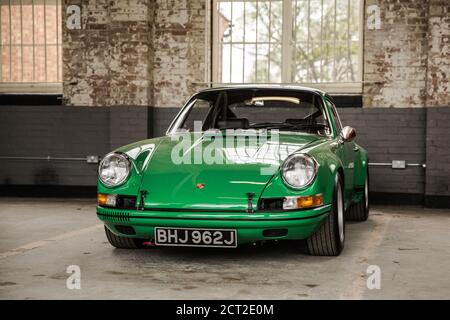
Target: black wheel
[
  {"x": 123, "y": 242},
  {"x": 360, "y": 211},
  {"x": 329, "y": 239}
]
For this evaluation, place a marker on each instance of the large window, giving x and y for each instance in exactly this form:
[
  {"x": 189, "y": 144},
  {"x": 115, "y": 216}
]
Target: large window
[
  {"x": 314, "y": 42},
  {"x": 30, "y": 44}
]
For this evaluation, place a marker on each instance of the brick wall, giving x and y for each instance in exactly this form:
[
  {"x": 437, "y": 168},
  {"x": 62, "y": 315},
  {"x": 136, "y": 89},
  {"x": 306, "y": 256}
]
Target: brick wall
[
  {"x": 438, "y": 84},
  {"x": 135, "y": 52},
  {"x": 407, "y": 61},
  {"x": 395, "y": 57},
  {"x": 142, "y": 52},
  {"x": 180, "y": 54},
  {"x": 108, "y": 62}
]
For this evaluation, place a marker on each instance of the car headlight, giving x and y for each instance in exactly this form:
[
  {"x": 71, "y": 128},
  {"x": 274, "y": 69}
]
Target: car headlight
[
  {"x": 298, "y": 170},
  {"x": 114, "y": 169}
]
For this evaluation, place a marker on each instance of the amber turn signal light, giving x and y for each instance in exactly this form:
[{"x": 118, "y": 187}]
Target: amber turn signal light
[
  {"x": 101, "y": 199},
  {"x": 290, "y": 203},
  {"x": 106, "y": 199},
  {"x": 310, "y": 201}
]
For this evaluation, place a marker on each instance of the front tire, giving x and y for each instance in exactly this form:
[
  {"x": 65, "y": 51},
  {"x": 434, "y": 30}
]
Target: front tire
[
  {"x": 123, "y": 242},
  {"x": 329, "y": 239},
  {"x": 360, "y": 211}
]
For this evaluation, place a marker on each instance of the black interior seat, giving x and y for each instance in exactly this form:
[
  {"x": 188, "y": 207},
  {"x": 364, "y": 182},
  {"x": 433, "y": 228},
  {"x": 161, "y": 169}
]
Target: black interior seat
[
  {"x": 235, "y": 123},
  {"x": 300, "y": 121}
]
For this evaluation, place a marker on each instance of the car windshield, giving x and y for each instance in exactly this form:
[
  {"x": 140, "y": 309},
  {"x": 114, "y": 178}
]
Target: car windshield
[{"x": 257, "y": 109}]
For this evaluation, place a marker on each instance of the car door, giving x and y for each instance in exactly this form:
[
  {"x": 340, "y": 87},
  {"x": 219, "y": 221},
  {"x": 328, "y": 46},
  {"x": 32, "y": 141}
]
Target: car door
[{"x": 346, "y": 153}]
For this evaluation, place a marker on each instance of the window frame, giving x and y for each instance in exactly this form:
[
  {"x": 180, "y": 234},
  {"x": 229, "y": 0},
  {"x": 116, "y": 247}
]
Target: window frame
[
  {"x": 355, "y": 87},
  {"x": 190, "y": 103},
  {"x": 336, "y": 119}
]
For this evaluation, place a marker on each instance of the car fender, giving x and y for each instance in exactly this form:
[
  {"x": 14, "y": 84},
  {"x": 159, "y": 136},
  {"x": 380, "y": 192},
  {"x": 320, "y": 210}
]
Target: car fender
[
  {"x": 328, "y": 165},
  {"x": 361, "y": 168}
]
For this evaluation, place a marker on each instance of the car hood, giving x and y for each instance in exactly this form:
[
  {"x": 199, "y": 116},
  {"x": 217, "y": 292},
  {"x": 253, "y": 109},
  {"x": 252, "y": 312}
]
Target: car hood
[{"x": 238, "y": 169}]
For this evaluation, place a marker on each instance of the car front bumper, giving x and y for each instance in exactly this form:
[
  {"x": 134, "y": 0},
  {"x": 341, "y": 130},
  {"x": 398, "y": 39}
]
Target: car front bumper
[{"x": 249, "y": 226}]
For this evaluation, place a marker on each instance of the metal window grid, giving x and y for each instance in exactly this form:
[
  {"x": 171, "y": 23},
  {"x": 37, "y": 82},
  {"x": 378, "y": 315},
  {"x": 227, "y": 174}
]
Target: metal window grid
[
  {"x": 7, "y": 83},
  {"x": 288, "y": 42}
]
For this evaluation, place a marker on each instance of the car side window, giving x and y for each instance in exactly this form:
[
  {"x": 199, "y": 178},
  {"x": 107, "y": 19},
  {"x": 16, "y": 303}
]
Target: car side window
[
  {"x": 336, "y": 119},
  {"x": 198, "y": 112}
]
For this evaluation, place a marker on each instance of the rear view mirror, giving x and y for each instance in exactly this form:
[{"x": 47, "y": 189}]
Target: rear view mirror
[{"x": 348, "y": 134}]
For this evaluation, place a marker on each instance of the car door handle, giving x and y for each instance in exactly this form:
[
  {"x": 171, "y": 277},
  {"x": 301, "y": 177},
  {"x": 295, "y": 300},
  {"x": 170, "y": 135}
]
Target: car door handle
[{"x": 356, "y": 148}]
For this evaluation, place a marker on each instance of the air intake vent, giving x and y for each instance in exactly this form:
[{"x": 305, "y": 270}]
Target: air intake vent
[
  {"x": 116, "y": 216},
  {"x": 272, "y": 233},
  {"x": 271, "y": 204},
  {"x": 126, "y": 230}
]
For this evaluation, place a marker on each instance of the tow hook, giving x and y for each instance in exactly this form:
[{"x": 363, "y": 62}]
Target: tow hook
[
  {"x": 250, "y": 202},
  {"x": 142, "y": 195},
  {"x": 148, "y": 243}
]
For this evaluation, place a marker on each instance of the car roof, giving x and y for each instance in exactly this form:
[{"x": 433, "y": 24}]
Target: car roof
[{"x": 266, "y": 86}]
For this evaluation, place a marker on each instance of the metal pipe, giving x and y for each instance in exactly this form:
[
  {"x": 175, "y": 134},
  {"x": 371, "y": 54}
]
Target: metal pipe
[
  {"x": 389, "y": 164},
  {"x": 48, "y": 158}
]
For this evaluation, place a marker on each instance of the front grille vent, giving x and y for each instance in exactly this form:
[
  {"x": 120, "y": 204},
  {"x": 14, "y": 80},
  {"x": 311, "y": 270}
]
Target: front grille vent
[
  {"x": 116, "y": 216},
  {"x": 126, "y": 202},
  {"x": 271, "y": 204}
]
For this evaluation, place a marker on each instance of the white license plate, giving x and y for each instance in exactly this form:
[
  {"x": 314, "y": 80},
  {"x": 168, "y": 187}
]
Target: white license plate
[{"x": 190, "y": 237}]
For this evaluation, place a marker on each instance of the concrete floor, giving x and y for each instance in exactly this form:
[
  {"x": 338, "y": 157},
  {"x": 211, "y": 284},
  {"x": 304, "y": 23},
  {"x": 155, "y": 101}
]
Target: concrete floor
[{"x": 39, "y": 238}]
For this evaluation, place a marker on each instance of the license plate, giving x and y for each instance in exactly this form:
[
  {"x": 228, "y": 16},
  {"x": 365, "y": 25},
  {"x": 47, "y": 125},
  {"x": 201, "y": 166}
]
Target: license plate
[{"x": 224, "y": 238}]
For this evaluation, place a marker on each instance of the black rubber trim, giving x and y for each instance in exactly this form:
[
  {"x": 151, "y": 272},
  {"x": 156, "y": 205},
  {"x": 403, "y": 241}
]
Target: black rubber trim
[
  {"x": 231, "y": 211},
  {"x": 192, "y": 210},
  {"x": 223, "y": 219},
  {"x": 179, "y": 210}
]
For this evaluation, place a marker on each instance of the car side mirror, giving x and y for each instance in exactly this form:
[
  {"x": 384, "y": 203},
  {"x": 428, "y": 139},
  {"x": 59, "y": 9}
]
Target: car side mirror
[{"x": 348, "y": 134}]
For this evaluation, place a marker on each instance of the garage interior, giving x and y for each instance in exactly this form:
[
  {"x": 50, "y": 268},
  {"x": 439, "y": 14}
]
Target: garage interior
[{"x": 81, "y": 78}]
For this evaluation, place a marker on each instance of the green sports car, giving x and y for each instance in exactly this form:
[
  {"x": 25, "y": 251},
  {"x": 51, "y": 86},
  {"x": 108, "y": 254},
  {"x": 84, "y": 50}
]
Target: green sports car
[{"x": 239, "y": 164}]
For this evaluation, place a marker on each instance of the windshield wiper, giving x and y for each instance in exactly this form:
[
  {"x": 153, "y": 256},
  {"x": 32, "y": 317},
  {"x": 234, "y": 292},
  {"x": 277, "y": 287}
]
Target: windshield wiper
[
  {"x": 271, "y": 125},
  {"x": 285, "y": 125}
]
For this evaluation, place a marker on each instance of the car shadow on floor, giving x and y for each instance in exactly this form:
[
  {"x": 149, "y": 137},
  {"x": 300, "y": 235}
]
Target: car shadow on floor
[
  {"x": 270, "y": 250},
  {"x": 284, "y": 250}
]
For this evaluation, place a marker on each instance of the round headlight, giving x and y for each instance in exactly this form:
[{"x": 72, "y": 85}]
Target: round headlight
[
  {"x": 298, "y": 170},
  {"x": 114, "y": 169}
]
